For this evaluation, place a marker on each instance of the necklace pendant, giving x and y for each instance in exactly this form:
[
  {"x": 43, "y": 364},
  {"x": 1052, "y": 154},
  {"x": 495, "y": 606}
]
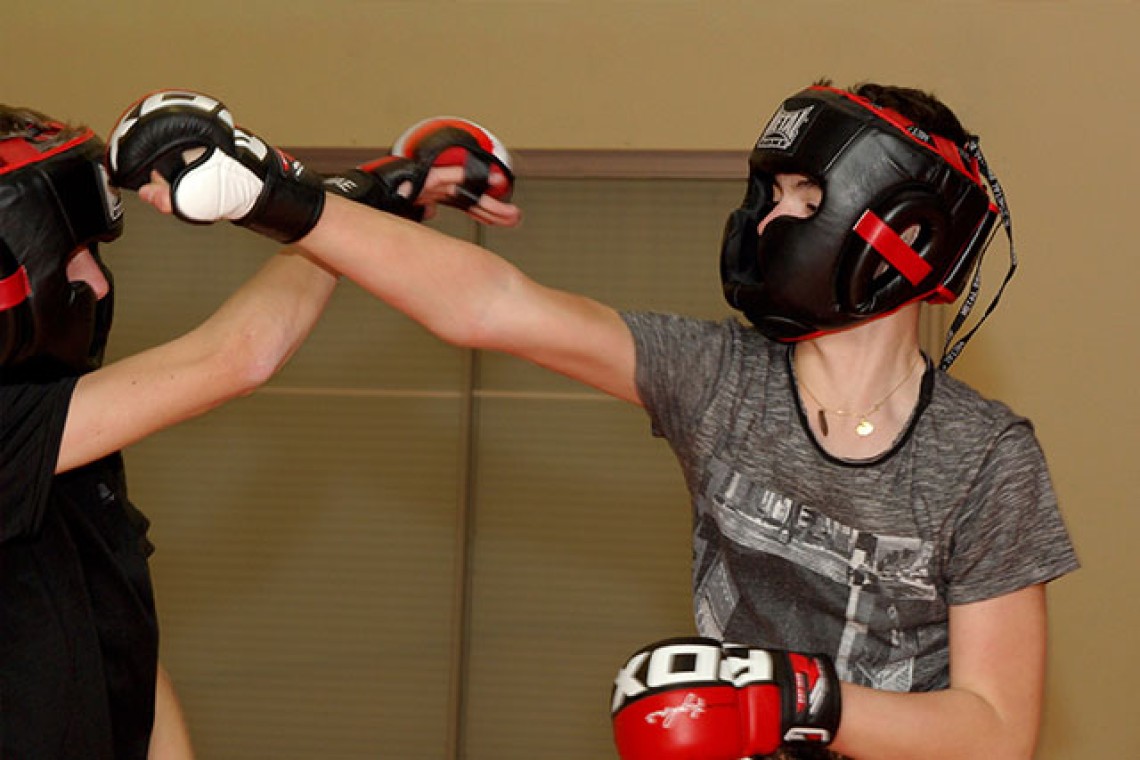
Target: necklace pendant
[
  {"x": 822, "y": 423},
  {"x": 864, "y": 428}
]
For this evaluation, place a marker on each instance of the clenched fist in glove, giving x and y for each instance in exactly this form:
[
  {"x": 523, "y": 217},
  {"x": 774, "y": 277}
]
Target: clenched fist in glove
[
  {"x": 215, "y": 169},
  {"x": 699, "y": 699},
  {"x": 395, "y": 182}
]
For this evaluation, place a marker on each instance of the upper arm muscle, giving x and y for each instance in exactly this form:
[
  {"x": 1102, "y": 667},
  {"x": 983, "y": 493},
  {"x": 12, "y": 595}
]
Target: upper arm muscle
[
  {"x": 128, "y": 400},
  {"x": 997, "y": 651}
]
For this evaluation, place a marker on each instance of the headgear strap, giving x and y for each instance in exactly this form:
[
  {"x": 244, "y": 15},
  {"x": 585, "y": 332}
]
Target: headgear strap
[{"x": 950, "y": 353}]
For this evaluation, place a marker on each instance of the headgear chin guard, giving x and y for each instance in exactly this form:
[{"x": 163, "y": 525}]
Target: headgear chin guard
[
  {"x": 54, "y": 201},
  {"x": 882, "y": 179}
]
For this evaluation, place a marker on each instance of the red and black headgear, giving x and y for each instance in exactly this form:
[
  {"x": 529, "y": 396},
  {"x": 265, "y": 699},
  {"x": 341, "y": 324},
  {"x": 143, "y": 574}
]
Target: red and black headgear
[
  {"x": 55, "y": 199},
  {"x": 881, "y": 176}
]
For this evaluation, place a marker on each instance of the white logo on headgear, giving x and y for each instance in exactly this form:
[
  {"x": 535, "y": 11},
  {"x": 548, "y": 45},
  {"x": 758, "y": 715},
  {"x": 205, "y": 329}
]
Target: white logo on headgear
[
  {"x": 113, "y": 202},
  {"x": 783, "y": 129}
]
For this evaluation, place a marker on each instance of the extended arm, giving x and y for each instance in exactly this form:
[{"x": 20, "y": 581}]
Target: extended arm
[
  {"x": 461, "y": 292},
  {"x": 471, "y": 297}
]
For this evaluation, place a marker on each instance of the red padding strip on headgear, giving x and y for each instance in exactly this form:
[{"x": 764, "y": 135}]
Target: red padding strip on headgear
[
  {"x": 887, "y": 242},
  {"x": 17, "y": 152},
  {"x": 944, "y": 147},
  {"x": 14, "y": 289},
  {"x": 948, "y": 150}
]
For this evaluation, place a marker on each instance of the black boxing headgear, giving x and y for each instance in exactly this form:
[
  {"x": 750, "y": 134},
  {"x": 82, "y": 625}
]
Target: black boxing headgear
[
  {"x": 883, "y": 179},
  {"x": 54, "y": 201}
]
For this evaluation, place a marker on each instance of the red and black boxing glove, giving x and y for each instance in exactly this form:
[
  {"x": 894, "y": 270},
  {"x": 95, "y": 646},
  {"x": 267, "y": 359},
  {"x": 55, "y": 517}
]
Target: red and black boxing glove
[
  {"x": 394, "y": 182},
  {"x": 696, "y": 699}
]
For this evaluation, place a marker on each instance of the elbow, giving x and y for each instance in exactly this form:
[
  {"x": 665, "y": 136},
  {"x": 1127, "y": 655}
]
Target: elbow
[
  {"x": 1011, "y": 736},
  {"x": 489, "y": 317},
  {"x": 1011, "y": 752},
  {"x": 471, "y": 333},
  {"x": 1023, "y": 748},
  {"x": 456, "y": 330},
  {"x": 248, "y": 359},
  {"x": 257, "y": 372}
]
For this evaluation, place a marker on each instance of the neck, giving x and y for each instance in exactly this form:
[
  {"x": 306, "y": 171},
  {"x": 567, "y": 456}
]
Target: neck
[
  {"x": 853, "y": 369},
  {"x": 860, "y": 386}
]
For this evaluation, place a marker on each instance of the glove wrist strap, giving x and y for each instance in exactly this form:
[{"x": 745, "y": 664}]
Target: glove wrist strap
[
  {"x": 288, "y": 209},
  {"x": 811, "y": 699}
]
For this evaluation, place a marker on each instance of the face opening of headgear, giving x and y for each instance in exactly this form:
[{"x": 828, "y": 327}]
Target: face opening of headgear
[
  {"x": 55, "y": 200},
  {"x": 904, "y": 217}
]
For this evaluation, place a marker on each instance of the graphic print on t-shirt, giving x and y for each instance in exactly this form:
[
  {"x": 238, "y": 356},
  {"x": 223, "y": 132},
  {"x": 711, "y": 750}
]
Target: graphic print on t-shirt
[{"x": 756, "y": 554}]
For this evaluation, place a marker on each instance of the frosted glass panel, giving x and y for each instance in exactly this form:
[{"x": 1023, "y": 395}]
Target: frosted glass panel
[{"x": 305, "y": 572}]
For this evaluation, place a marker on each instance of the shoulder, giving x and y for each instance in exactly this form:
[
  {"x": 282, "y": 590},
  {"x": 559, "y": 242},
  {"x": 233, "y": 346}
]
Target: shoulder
[
  {"x": 29, "y": 402},
  {"x": 973, "y": 439},
  {"x": 1007, "y": 529},
  {"x": 676, "y": 350},
  {"x": 32, "y": 418},
  {"x": 962, "y": 409},
  {"x": 686, "y": 365}
]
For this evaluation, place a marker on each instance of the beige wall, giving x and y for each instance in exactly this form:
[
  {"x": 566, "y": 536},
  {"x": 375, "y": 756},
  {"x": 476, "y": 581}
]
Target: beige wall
[{"x": 1049, "y": 85}]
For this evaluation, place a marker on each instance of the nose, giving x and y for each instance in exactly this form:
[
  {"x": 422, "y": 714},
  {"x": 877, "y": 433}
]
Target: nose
[
  {"x": 789, "y": 205},
  {"x": 764, "y": 222},
  {"x": 780, "y": 209}
]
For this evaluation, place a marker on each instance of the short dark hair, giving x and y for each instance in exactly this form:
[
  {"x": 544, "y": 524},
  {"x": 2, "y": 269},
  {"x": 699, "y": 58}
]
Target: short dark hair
[
  {"x": 921, "y": 107},
  {"x": 18, "y": 121}
]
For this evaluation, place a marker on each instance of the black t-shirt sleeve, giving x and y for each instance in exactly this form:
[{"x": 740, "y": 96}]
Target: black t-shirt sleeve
[{"x": 32, "y": 418}]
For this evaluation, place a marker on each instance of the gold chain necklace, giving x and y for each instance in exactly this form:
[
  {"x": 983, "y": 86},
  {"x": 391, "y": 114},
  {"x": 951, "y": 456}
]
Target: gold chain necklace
[{"x": 864, "y": 427}]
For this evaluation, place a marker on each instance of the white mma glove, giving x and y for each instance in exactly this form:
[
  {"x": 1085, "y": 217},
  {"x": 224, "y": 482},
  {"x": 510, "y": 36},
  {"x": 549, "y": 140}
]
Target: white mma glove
[{"x": 216, "y": 170}]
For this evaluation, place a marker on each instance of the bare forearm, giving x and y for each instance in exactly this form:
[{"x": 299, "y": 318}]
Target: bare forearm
[
  {"x": 952, "y": 723},
  {"x": 238, "y": 348},
  {"x": 264, "y": 322},
  {"x": 448, "y": 285},
  {"x": 170, "y": 736},
  {"x": 470, "y": 297}
]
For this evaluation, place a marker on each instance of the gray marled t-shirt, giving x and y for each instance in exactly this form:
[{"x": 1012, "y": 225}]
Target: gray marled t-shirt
[{"x": 795, "y": 549}]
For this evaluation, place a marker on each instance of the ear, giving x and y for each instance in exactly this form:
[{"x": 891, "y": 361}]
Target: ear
[{"x": 876, "y": 277}]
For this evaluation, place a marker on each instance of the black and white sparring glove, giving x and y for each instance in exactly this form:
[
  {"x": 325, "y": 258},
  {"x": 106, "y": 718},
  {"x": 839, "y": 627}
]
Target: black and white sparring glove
[
  {"x": 394, "y": 182},
  {"x": 698, "y": 699},
  {"x": 216, "y": 170}
]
